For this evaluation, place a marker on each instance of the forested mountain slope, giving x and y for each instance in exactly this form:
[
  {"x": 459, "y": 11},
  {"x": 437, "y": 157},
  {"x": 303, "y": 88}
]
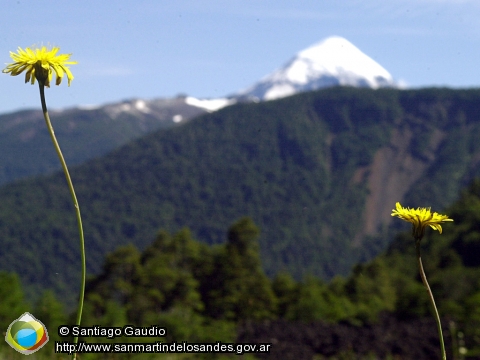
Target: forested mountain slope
[
  {"x": 318, "y": 172},
  {"x": 83, "y": 133}
]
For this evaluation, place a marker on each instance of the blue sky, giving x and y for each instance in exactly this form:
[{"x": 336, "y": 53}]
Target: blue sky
[{"x": 211, "y": 48}]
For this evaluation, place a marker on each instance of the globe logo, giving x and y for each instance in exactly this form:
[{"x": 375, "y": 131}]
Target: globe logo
[{"x": 26, "y": 334}]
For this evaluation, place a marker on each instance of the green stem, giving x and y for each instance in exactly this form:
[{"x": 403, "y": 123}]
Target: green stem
[
  {"x": 432, "y": 300},
  {"x": 75, "y": 203}
]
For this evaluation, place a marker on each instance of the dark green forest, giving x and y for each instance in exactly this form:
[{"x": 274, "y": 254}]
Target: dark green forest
[
  {"x": 318, "y": 172},
  {"x": 208, "y": 293}
]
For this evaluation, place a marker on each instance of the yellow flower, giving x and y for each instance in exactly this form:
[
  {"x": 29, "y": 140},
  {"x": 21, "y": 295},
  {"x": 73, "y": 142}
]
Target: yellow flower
[
  {"x": 420, "y": 218},
  {"x": 39, "y": 64}
]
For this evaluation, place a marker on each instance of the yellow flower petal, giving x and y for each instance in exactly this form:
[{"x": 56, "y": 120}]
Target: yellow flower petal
[
  {"x": 420, "y": 218},
  {"x": 39, "y": 64}
]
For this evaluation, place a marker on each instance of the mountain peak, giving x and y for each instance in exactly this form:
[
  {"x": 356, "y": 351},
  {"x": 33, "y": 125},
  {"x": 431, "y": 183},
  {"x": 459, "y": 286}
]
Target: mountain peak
[{"x": 333, "y": 61}]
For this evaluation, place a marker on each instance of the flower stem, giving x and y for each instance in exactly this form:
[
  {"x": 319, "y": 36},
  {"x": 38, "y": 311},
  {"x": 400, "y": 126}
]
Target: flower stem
[
  {"x": 432, "y": 300},
  {"x": 75, "y": 203}
]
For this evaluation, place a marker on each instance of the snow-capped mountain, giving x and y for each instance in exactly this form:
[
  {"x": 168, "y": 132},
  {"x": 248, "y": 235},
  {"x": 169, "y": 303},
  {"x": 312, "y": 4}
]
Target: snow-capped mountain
[{"x": 331, "y": 62}]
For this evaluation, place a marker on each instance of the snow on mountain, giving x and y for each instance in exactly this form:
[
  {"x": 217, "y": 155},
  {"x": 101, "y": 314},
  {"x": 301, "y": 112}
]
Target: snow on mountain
[
  {"x": 209, "y": 104},
  {"x": 163, "y": 110},
  {"x": 331, "y": 62},
  {"x": 168, "y": 109}
]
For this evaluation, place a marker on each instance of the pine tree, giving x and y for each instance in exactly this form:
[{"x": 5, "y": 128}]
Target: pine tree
[{"x": 238, "y": 287}]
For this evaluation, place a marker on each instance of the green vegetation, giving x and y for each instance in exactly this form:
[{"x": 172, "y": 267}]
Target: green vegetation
[
  {"x": 299, "y": 167},
  {"x": 203, "y": 293}
]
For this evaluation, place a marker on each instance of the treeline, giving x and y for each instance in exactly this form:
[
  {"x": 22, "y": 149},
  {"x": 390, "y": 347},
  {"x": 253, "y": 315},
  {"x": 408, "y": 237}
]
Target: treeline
[{"x": 203, "y": 293}]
